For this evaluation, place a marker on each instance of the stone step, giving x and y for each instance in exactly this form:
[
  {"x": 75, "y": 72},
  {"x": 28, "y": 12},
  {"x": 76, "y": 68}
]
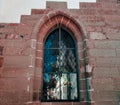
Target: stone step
[
  {"x": 40, "y": 11},
  {"x": 108, "y": 1},
  {"x": 106, "y": 103},
  {"x": 100, "y": 5},
  {"x": 30, "y": 19},
  {"x": 56, "y": 5},
  {"x": 59, "y": 103}
]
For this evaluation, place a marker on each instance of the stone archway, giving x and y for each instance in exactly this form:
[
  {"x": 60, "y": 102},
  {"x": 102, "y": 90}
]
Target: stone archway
[{"x": 42, "y": 28}]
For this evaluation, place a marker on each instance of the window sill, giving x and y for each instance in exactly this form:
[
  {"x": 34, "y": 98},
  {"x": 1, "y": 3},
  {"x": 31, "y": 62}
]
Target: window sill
[{"x": 59, "y": 103}]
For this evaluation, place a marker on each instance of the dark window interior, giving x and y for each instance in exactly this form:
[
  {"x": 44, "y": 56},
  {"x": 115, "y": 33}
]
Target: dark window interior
[{"x": 60, "y": 73}]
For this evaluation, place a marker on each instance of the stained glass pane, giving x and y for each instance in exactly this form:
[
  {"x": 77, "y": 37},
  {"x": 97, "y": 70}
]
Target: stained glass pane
[
  {"x": 52, "y": 40},
  {"x": 67, "y": 39},
  {"x": 64, "y": 87},
  {"x": 67, "y": 60},
  {"x": 59, "y": 60},
  {"x": 50, "y": 60},
  {"x": 73, "y": 82},
  {"x": 51, "y": 89},
  {"x": 60, "y": 67}
]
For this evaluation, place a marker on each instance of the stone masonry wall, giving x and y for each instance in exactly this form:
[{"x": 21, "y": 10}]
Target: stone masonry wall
[{"x": 100, "y": 24}]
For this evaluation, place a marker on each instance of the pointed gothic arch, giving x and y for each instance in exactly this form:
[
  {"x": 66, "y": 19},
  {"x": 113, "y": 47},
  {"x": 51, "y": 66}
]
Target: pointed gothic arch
[{"x": 44, "y": 26}]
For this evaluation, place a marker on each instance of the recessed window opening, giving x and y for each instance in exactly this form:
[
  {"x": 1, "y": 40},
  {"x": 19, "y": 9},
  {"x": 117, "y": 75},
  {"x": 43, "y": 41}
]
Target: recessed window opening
[{"x": 60, "y": 67}]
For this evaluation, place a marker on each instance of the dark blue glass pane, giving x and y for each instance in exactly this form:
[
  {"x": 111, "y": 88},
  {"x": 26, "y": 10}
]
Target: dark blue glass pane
[
  {"x": 67, "y": 39},
  {"x": 59, "y": 60},
  {"x": 50, "y": 58},
  {"x": 60, "y": 67},
  {"x": 52, "y": 40}
]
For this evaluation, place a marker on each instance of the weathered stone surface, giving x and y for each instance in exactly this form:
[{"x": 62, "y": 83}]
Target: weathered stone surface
[
  {"x": 108, "y": 62},
  {"x": 102, "y": 52},
  {"x": 118, "y": 52},
  {"x": 106, "y": 102},
  {"x": 114, "y": 36},
  {"x": 13, "y": 97},
  {"x": 1, "y": 61},
  {"x": 106, "y": 72},
  {"x": 97, "y": 35},
  {"x": 103, "y": 84},
  {"x": 105, "y": 95},
  {"x": 22, "y": 44},
  {"x": 56, "y": 5},
  {"x": 16, "y": 61},
  {"x": 107, "y": 44}
]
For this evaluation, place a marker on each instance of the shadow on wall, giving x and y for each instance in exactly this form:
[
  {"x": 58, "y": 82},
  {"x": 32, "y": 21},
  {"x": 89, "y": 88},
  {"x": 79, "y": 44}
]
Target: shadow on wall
[{"x": 1, "y": 57}]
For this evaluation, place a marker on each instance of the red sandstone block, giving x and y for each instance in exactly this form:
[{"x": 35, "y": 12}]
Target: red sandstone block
[
  {"x": 45, "y": 103},
  {"x": 13, "y": 24},
  {"x": 90, "y": 29},
  {"x": 106, "y": 1},
  {"x": 38, "y": 83},
  {"x": 39, "y": 62},
  {"x": 105, "y": 95},
  {"x": 39, "y": 46},
  {"x": 105, "y": 72},
  {"x": 94, "y": 18},
  {"x": 103, "y": 83},
  {"x": 87, "y": 12},
  {"x": 108, "y": 12},
  {"x": 17, "y": 61},
  {"x": 113, "y": 20},
  {"x": 94, "y": 23},
  {"x": 17, "y": 43},
  {"x": 89, "y": 44},
  {"x": 63, "y": 103},
  {"x": 111, "y": 30},
  {"x": 14, "y": 84},
  {"x": 107, "y": 44},
  {"x": 7, "y": 30},
  {"x": 3, "y": 35},
  {"x": 109, "y": 5},
  {"x": 106, "y": 102},
  {"x": 1, "y": 50},
  {"x": 117, "y": 84},
  {"x": 115, "y": 36},
  {"x": 94, "y": 29},
  {"x": 40, "y": 11},
  {"x": 75, "y": 12},
  {"x": 16, "y": 51},
  {"x": 56, "y": 5},
  {"x": 2, "y": 42},
  {"x": 13, "y": 98},
  {"x": 90, "y": 5},
  {"x": 30, "y": 20},
  {"x": 118, "y": 52},
  {"x": 15, "y": 72},
  {"x": 108, "y": 61},
  {"x": 33, "y": 103},
  {"x": 1, "y": 62},
  {"x": 39, "y": 71},
  {"x": 102, "y": 52},
  {"x": 83, "y": 103},
  {"x": 23, "y": 30}
]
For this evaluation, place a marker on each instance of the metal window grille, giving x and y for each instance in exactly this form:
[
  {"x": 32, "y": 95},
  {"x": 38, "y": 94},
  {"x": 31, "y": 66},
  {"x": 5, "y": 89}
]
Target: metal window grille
[{"x": 60, "y": 71}]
